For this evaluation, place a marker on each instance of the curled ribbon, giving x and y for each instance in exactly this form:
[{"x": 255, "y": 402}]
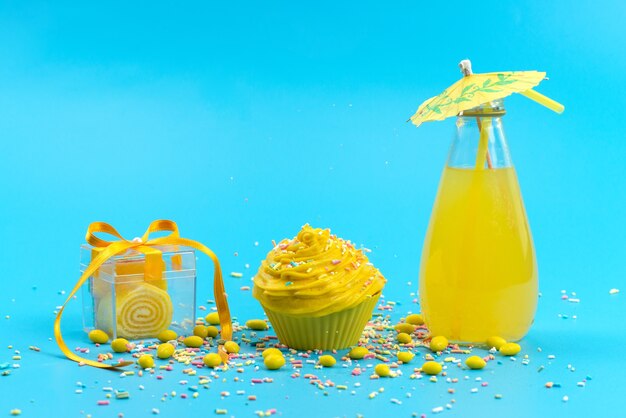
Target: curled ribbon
[{"x": 108, "y": 249}]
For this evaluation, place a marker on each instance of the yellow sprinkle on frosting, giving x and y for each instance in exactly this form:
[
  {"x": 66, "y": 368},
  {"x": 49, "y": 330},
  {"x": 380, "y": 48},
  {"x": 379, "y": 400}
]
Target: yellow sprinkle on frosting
[{"x": 315, "y": 274}]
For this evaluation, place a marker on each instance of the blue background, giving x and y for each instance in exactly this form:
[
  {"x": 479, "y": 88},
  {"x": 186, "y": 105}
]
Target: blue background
[{"x": 244, "y": 122}]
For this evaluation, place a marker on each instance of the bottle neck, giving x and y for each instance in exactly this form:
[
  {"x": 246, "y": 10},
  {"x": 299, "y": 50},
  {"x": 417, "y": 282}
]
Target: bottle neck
[{"x": 479, "y": 142}]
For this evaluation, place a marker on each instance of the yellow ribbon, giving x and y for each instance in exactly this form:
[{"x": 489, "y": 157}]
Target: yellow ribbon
[{"x": 144, "y": 245}]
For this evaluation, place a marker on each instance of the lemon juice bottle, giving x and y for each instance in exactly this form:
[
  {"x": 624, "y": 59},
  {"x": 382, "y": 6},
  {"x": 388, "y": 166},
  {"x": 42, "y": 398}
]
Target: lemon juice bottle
[{"x": 478, "y": 275}]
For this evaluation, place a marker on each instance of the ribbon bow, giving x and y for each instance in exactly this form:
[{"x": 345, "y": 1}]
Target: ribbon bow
[{"x": 108, "y": 249}]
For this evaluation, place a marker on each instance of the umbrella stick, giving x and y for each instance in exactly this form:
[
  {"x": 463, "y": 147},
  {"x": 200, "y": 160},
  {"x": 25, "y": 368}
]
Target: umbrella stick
[{"x": 489, "y": 165}]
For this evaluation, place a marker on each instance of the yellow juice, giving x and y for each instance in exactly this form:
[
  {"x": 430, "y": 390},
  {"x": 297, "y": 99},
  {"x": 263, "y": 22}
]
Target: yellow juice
[{"x": 478, "y": 275}]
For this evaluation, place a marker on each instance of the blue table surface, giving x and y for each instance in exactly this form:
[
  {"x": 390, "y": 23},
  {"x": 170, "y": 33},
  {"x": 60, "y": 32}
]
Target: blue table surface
[{"x": 243, "y": 122}]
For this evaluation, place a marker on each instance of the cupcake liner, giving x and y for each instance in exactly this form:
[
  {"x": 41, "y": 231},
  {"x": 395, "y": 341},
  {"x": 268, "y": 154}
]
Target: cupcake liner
[{"x": 330, "y": 332}]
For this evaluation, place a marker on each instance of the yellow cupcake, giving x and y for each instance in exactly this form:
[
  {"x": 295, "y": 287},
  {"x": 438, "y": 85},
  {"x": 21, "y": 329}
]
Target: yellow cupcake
[{"x": 317, "y": 290}]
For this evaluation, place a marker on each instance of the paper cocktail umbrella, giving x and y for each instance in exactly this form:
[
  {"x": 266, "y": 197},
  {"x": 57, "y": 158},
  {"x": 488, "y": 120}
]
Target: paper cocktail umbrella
[{"x": 475, "y": 89}]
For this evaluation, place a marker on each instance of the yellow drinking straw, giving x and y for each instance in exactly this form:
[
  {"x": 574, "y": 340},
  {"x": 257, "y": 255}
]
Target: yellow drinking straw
[
  {"x": 483, "y": 142},
  {"x": 543, "y": 100}
]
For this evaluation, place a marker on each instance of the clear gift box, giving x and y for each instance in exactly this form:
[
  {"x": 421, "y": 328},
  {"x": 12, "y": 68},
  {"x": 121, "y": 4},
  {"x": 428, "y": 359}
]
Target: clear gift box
[{"x": 134, "y": 297}]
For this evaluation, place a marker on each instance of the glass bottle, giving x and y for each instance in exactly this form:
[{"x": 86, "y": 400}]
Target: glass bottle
[{"x": 478, "y": 274}]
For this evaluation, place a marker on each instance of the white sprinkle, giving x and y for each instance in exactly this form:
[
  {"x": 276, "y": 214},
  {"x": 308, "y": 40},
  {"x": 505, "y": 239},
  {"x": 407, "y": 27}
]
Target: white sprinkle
[
  {"x": 551, "y": 357},
  {"x": 565, "y": 398},
  {"x": 613, "y": 291},
  {"x": 156, "y": 411},
  {"x": 474, "y": 390},
  {"x": 437, "y": 409}
]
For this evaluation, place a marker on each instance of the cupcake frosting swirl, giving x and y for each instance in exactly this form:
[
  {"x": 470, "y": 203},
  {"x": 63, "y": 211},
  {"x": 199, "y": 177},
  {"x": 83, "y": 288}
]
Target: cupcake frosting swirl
[{"x": 315, "y": 274}]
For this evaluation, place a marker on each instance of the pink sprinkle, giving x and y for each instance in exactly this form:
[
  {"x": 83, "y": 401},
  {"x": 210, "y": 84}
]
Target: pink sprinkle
[
  {"x": 335, "y": 262},
  {"x": 257, "y": 380},
  {"x": 102, "y": 403},
  {"x": 252, "y": 398},
  {"x": 484, "y": 384},
  {"x": 159, "y": 377},
  {"x": 564, "y": 297},
  {"x": 356, "y": 372},
  {"x": 183, "y": 395}
]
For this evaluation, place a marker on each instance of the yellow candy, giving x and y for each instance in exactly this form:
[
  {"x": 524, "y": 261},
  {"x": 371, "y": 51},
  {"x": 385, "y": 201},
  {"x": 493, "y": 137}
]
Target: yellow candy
[
  {"x": 119, "y": 345},
  {"x": 193, "y": 341},
  {"x": 382, "y": 370},
  {"x": 358, "y": 353},
  {"x": 231, "y": 347},
  {"x": 200, "y": 331},
  {"x": 272, "y": 351},
  {"x": 98, "y": 336},
  {"x": 212, "y": 331},
  {"x": 403, "y": 338},
  {"x": 405, "y": 356},
  {"x": 167, "y": 335},
  {"x": 274, "y": 362},
  {"x": 475, "y": 362},
  {"x": 212, "y": 360},
  {"x": 415, "y": 319},
  {"x": 327, "y": 361},
  {"x": 404, "y": 327},
  {"x": 146, "y": 361},
  {"x": 213, "y": 318},
  {"x": 496, "y": 342},
  {"x": 438, "y": 343},
  {"x": 257, "y": 324},
  {"x": 165, "y": 350},
  {"x": 432, "y": 368},
  {"x": 510, "y": 349}
]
